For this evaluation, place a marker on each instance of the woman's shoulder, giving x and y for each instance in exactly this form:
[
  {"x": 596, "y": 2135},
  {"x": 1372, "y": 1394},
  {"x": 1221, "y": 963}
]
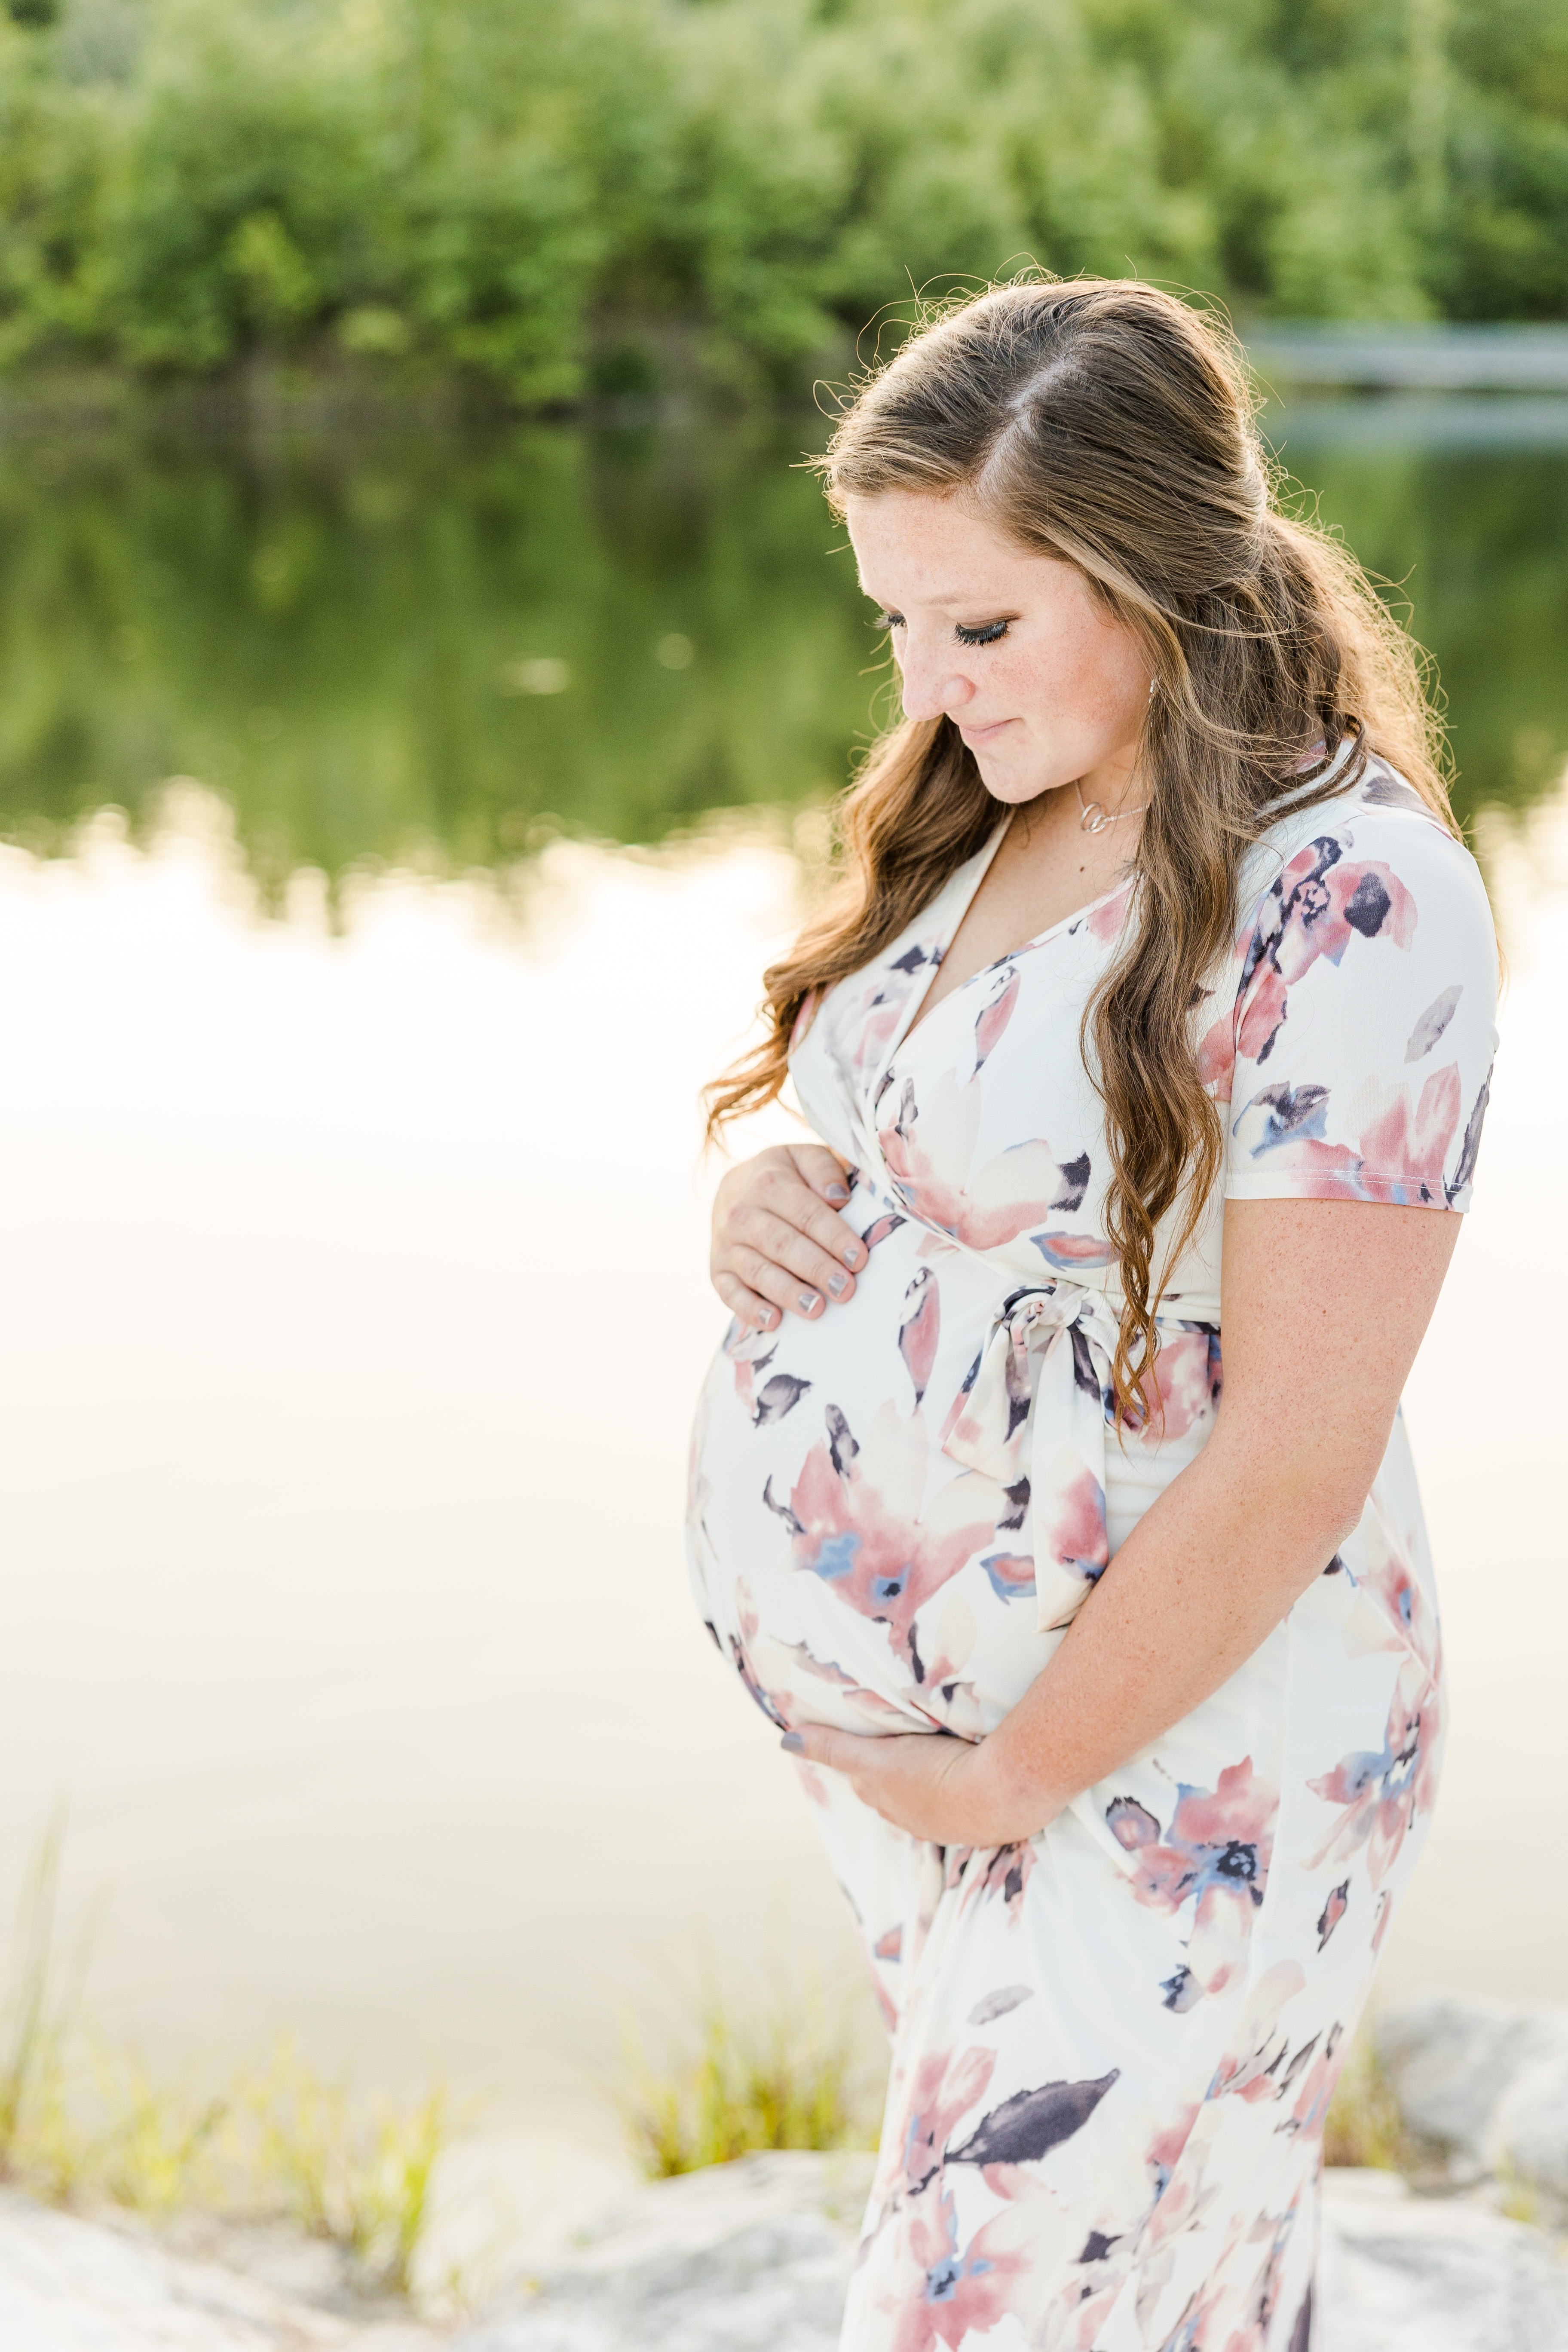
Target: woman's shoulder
[
  {"x": 1354, "y": 1046},
  {"x": 1372, "y": 857}
]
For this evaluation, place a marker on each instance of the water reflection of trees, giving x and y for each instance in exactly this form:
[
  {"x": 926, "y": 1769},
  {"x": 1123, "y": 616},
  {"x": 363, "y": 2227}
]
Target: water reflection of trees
[
  {"x": 433, "y": 649},
  {"x": 1477, "y": 539}
]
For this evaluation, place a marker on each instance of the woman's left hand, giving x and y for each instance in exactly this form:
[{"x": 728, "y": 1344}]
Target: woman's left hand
[{"x": 939, "y": 1788}]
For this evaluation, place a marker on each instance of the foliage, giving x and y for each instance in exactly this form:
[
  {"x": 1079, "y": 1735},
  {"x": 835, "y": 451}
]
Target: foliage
[
  {"x": 348, "y": 640},
  {"x": 784, "y": 2080},
  {"x": 82, "y": 2120},
  {"x": 551, "y": 199}
]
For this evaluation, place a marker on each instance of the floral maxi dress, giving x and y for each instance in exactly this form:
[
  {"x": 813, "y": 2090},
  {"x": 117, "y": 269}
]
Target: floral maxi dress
[{"x": 1113, "y": 2044}]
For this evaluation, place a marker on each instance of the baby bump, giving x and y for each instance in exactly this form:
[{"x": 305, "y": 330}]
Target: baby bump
[
  {"x": 854, "y": 1574},
  {"x": 853, "y": 1571}
]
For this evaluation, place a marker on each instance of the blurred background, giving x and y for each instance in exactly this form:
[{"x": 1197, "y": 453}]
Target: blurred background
[{"x": 424, "y": 670}]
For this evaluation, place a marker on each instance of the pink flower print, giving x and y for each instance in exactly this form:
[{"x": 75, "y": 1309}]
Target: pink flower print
[
  {"x": 861, "y": 1698},
  {"x": 1163, "y": 2152},
  {"x": 1257, "y": 2049},
  {"x": 952, "y": 2296},
  {"x": 804, "y": 1017},
  {"x": 847, "y": 1527},
  {"x": 929, "y": 1150},
  {"x": 1215, "y": 1856},
  {"x": 995, "y": 1014},
  {"x": 1310, "y": 2078},
  {"x": 1318, "y": 900},
  {"x": 1333, "y": 1911},
  {"x": 1387, "y": 1578},
  {"x": 1382, "y": 1793},
  {"x": 920, "y": 1328},
  {"x": 1011, "y": 1573},
  {"x": 1404, "y": 1156},
  {"x": 947, "y": 2085},
  {"x": 880, "y": 1228},
  {"x": 1217, "y": 1056},
  {"x": 1292, "y": 1121},
  {"x": 1187, "y": 1378},
  {"x": 1008, "y": 1869},
  {"x": 1068, "y": 1251},
  {"x": 1070, "y": 1511},
  {"x": 1007, "y": 1874},
  {"x": 1105, "y": 922},
  {"x": 1394, "y": 1155}
]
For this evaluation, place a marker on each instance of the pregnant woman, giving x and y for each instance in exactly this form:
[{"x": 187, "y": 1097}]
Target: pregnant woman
[{"x": 1049, "y": 1493}]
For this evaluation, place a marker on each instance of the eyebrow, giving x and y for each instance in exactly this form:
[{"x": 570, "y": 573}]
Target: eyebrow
[{"x": 943, "y": 603}]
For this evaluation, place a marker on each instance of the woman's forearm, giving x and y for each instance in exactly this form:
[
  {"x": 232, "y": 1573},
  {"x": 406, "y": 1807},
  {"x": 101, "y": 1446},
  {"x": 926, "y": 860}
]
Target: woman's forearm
[
  {"x": 1230, "y": 1545},
  {"x": 1199, "y": 1585}
]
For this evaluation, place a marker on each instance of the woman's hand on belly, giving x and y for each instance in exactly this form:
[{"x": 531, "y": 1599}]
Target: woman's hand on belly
[
  {"x": 938, "y": 1787},
  {"x": 779, "y": 1245}
]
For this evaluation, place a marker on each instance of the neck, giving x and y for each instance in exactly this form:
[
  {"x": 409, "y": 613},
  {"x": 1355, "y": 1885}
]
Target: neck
[{"x": 1115, "y": 781}]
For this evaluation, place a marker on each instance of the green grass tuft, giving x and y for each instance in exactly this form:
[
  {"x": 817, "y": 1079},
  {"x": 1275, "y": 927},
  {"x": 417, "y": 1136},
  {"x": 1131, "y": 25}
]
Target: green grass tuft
[
  {"x": 83, "y": 2121},
  {"x": 1364, "y": 2126},
  {"x": 790, "y": 2079}
]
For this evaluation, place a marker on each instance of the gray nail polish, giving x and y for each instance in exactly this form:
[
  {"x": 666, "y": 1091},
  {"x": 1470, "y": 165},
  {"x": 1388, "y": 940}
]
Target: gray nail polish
[
  {"x": 792, "y": 1744},
  {"x": 808, "y": 1301},
  {"x": 838, "y": 1284},
  {"x": 838, "y": 1192},
  {"x": 852, "y": 1257}
]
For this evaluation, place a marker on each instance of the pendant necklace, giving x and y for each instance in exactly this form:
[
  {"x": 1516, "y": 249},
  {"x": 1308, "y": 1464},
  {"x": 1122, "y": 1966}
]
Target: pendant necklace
[{"x": 1093, "y": 818}]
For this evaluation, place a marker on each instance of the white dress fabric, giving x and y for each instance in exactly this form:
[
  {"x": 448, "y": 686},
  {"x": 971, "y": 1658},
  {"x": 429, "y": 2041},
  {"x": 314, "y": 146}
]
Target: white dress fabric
[{"x": 1115, "y": 2044}]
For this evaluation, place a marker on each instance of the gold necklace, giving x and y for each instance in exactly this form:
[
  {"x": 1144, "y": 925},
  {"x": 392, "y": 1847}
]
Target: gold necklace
[{"x": 1094, "y": 818}]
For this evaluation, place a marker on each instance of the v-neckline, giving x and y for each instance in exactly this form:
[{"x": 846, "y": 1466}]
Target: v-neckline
[
  {"x": 915, "y": 1014},
  {"x": 945, "y": 939}
]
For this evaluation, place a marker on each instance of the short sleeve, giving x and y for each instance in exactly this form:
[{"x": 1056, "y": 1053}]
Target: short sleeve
[{"x": 1363, "y": 1026}]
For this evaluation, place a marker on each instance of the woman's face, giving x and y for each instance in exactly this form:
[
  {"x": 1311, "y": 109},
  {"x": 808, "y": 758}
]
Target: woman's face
[{"x": 1043, "y": 686}]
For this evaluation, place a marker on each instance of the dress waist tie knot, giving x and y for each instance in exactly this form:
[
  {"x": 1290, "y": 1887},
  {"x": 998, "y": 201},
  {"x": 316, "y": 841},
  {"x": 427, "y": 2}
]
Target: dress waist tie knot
[{"x": 1033, "y": 1416}]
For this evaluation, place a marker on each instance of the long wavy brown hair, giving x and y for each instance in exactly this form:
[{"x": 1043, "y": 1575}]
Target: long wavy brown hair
[{"x": 1109, "y": 425}]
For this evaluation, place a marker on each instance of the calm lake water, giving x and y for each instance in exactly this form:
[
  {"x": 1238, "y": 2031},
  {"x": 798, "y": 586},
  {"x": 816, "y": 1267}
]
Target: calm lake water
[{"x": 353, "y": 1301}]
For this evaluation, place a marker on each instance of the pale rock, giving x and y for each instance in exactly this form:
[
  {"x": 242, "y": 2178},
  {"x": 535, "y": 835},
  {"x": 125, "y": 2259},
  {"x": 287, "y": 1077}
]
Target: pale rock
[
  {"x": 755, "y": 2257},
  {"x": 1487, "y": 2077},
  {"x": 1529, "y": 2128},
  {"x": 1404, "y": 2273},
  {"x": 69, "y": 2285},
  {"x": 752, "y": 2256}
]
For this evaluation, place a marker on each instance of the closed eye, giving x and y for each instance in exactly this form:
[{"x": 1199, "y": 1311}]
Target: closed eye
[{"x": 987, "y": 635}]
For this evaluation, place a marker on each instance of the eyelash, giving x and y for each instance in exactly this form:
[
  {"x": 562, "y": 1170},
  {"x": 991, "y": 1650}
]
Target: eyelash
[{"x": 988, "y": 635}]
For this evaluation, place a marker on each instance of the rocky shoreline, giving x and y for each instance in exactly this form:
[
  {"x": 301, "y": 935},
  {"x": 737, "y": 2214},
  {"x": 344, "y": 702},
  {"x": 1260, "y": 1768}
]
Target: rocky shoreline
[{"x": 754, "y": 2256}]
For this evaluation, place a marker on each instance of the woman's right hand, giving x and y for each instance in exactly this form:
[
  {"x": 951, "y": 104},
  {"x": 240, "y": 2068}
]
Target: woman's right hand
[{"x": 779, "y": 1246}]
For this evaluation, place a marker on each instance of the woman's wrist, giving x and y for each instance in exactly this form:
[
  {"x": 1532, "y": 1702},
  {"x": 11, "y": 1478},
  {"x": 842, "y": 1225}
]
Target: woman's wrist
[{"x": 1013, "y": 1803}]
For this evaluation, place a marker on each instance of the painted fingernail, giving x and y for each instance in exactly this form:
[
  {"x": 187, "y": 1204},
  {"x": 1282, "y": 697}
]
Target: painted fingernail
[
  {"x": 837, "y": 1192},
  {"x": 852, "y": 1256},
  {"x": 792, "y": 1744},
  {"x": 809, "y": 1302},
  {"x": 838, "y": 1284}
]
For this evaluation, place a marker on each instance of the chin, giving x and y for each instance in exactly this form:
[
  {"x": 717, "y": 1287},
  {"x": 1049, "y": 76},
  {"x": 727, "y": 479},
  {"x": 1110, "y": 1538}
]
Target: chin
[{"x": 1008, "y": 785}]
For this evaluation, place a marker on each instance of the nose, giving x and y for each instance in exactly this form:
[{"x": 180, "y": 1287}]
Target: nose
[{"x": 932, "y": 687}]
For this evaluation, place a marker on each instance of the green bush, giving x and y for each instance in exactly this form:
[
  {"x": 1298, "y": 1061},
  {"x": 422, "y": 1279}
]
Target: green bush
[{"x": 549, "y": 197}]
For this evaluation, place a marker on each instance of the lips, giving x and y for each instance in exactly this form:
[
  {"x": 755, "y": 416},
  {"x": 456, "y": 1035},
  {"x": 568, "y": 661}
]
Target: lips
[{"x": 974, "y": 736}]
